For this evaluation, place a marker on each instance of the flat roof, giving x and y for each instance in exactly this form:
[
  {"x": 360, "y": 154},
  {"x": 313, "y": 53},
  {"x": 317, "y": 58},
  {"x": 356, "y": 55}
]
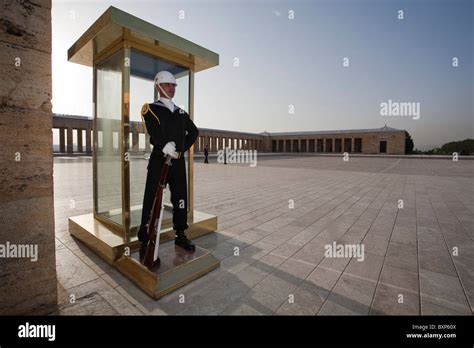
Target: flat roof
[
  {"x": 108, "y": 28},
  {"x": 229, "y": 131},
  {"x": 343, "y": 131}
]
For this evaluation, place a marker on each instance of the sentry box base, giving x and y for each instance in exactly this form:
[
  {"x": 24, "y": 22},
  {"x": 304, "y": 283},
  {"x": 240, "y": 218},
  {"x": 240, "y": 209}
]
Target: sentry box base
[
  {"x": 110, "y": 245},
  {"x": 178, "y": 266}
]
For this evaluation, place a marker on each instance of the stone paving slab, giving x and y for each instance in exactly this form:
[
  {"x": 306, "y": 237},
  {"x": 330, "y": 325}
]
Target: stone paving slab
[{"x": 282, "y": 216}]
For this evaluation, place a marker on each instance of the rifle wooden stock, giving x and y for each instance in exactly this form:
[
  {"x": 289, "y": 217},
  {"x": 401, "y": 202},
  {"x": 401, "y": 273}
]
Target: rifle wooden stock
[{"x": 154, "y": 225}]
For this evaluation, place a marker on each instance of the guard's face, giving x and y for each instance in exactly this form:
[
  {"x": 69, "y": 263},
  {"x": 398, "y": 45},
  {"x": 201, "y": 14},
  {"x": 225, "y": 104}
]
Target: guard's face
[{"x": 169, "y": 88}]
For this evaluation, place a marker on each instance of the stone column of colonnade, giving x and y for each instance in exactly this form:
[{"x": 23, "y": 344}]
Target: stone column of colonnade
[
  {"x": 135, "y": 139},
  {"x": 79, "y": 139},
  {"x": 69, "y": 140},
  {"x": 147, "y": 143},
  {"x": 62, "y": 141},
  {"x": 89, "y": 140}
]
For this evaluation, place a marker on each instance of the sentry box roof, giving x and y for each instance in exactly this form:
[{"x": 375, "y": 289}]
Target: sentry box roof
[{"x": 116, "y": 26}]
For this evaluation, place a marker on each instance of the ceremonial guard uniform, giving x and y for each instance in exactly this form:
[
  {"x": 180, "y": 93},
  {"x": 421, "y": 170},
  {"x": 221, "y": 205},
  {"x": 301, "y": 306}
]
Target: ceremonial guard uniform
[{"x": 172, "y": 132}]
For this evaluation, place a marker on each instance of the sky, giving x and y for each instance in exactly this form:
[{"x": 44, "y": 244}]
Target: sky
[{"x": 293, "y": 73}]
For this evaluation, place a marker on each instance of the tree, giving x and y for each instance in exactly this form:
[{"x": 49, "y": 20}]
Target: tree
[
  {"x": 463, "y": 147},
  {"x": 408, "y": 143}
]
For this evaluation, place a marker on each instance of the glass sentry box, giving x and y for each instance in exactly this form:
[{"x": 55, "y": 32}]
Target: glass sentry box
[{"x": 125, "y": 54}]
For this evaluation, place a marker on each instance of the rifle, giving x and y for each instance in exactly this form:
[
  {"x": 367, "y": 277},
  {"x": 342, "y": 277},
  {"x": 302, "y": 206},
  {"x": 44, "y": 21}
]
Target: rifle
[{"x": 154, "y": 225}]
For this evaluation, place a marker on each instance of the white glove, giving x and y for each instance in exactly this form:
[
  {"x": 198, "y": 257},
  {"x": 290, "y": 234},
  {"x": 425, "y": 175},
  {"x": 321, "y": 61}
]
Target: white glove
[{"x": 170, "y": 149}]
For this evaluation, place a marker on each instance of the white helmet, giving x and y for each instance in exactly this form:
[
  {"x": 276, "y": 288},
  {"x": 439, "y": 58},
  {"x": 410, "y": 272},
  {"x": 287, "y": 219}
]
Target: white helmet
[{"x": 165, "y": 77}]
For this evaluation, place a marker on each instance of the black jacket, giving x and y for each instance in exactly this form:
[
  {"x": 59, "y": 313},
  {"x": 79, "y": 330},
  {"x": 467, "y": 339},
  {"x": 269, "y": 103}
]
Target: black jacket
[{"x": 164, "y": 126}]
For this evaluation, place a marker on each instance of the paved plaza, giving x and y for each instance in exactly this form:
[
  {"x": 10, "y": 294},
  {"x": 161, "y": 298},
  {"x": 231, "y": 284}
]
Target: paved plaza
[{"x": 274, "y": 223}]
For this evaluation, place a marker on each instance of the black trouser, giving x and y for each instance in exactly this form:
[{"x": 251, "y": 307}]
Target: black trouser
[{"x": 178, "y": 189}]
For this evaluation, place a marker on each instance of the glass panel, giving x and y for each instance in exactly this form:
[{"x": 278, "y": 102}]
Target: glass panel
[
  {"x": 108, "y": 123},
  {"x": 143, "y": 70}
]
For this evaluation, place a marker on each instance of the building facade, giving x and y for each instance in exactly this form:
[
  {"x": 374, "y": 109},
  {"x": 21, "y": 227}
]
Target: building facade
[{"x": 75, "y": 136}]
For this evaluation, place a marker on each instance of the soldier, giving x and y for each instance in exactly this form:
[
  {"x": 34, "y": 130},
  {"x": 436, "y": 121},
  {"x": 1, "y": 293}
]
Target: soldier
[{"x": 172, "y": 133}]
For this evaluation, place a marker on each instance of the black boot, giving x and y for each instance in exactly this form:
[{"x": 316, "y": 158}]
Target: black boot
[{"x": 182, "y": 241}]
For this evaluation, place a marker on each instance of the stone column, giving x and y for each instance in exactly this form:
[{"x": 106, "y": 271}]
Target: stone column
[
  {"x": 135, "y": 145},
  {"x": 26, "y": 203},
  {"x": 62, "y": 141},
  {"x": 69, "y": 140},
  {"x": 79, "y": 140},
  {"x": 147, "y": 143},
  {"x": 88, "y": 141}
]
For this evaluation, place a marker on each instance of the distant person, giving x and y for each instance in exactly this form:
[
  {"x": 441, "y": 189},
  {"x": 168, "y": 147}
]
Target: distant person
[{"x": 206, "y": 155}]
